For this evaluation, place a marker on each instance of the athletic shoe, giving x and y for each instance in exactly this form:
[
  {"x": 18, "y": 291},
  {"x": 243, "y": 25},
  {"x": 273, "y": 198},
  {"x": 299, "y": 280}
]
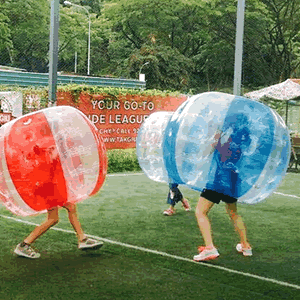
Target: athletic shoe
[
  {"x": 201, "y": 248},
  {"x": 206, "y": 254},
  {"x": 88, "y": 243},
  {"x": 246, "y": 252},
  {"x": 169, "y": 212},
  {"x": 186, "y": 205},
  {"x": 26, "y": 251}
]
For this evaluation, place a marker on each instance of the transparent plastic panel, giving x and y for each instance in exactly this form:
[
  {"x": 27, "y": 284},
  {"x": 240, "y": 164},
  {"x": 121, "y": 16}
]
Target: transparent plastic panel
[
  {"x": 9, "y": 196},
  {"x": 77, "y": 148},
  {"x": 241, "y": 157},
  {"x": 149, "y": 146},
  {"x": 275, "y": 167},
  {"x": 198, "y": 122}
]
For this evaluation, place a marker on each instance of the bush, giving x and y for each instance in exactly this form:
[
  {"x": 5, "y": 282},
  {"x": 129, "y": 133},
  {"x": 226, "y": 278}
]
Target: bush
[{"x": 122, "y": 160}]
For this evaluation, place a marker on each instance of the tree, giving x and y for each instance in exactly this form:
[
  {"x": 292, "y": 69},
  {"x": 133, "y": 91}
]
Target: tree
[
  {"x": 94, "y": 6},
  {"x": 28, "y": 23},
  {"x": 190, "y": 44},
  {"x": 176, "y": 23},
  {"x": 73, "y": 35},
  {"x": 5, "y": 40},
  {"x": 176, "y": 28},
  {"x": 73, "y": 38},
  {"x": 283, "y": 36},
  {"x": 167, "y": 68},
  {"x": 270, "y": 36}
]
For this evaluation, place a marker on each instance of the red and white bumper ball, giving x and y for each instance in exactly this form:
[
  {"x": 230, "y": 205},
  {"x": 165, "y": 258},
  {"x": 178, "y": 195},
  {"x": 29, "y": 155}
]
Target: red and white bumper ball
[{"x": 48, "y": 158}]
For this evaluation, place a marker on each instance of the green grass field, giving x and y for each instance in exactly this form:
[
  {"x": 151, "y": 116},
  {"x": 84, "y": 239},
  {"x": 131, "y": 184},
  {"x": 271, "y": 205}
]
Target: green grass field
[{"x": 149, "y": 256}]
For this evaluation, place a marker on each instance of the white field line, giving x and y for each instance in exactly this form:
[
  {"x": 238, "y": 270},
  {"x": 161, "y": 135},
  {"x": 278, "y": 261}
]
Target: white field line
[
  {"x": 164, "y": 254},
  {"x": 124, "y": 174},
  {"x": 287, "y": 195}
]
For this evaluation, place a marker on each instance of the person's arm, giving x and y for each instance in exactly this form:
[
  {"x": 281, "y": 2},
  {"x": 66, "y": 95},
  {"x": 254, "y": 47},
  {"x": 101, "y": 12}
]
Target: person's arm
[{"x": 211, "y": 148}]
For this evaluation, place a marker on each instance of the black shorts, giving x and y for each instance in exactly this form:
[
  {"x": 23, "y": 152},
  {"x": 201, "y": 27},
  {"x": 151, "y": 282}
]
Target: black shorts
[{"x": 216, "y": 197}]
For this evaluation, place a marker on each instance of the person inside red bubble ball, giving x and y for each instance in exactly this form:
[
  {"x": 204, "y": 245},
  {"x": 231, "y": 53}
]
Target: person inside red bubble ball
[{"x": 24, "y": 248}]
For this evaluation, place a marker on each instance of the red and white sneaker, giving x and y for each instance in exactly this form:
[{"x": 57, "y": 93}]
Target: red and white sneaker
[
  {"x": 169, "y": 212},
  {"x": 201, "y": 248},
  {"x": 186, "y": 205},
  {"x": 206, "y": 254},
  {"x": 246, "y": 252}
]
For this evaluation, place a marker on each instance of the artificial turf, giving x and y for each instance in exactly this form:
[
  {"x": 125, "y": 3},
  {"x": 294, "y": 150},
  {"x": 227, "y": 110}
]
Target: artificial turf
[{"x": 128, "y": 209}]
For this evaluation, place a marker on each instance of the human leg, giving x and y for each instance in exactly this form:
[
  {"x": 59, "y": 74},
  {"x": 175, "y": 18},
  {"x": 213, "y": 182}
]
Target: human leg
[
  {"x": 186, "y": 205},
  {"x": 52, "y": 219},
  {"x": 208, "y": 251},
  {"x": 83, "y": 241},
  {"x": 24, "y": 248},
  {"x": 171, "y": 200},
  {"x": 202, "y": 210},
  {"x": 239, "y": 225},
  {"x": 174, "y": 196},
  {"x": 73, "y": 218}
]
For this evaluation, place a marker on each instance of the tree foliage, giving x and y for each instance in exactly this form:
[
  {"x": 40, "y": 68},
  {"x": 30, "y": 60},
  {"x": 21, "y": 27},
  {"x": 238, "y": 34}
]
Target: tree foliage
[
  {"x": 189, "y": 44},
  {"x": 28, "y": 25}
]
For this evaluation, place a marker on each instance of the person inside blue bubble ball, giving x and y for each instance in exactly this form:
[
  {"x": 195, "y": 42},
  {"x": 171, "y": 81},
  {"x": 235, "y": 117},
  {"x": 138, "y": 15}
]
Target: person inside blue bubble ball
[
  {"x": 234, "y": 142},
  {"x": 229, "y": 146}
]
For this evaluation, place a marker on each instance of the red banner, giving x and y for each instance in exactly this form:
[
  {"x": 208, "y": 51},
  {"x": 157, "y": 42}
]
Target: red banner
[
  {"x": 119, "y": 118},
  {"x": 5, "y": 117}
]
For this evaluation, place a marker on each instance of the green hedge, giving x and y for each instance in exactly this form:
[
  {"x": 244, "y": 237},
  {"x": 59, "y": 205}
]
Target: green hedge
[{"x": 122, "y": 160}]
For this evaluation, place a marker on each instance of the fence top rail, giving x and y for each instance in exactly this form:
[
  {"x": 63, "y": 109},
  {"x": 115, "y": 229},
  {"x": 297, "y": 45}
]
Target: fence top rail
[{"x": 13, "y": 77}]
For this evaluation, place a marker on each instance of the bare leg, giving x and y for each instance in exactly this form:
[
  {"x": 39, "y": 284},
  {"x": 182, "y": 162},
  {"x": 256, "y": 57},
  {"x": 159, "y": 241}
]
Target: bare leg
[
  {"x": 52, "y": 219},
  {"x": 185, "y": 204},
  {"x": 238, "y": 223},
  {"x": 73, "y": 218},
  {"x": 202, "y": 210}
]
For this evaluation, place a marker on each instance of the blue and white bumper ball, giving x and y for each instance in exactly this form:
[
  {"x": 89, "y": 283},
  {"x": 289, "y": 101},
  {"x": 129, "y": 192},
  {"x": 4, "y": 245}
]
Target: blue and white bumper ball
[{"x": 230, "y": 144}]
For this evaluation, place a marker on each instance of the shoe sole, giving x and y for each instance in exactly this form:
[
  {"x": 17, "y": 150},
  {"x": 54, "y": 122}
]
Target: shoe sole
[
  {"x": 21, "y": 254},
  {"x": 240, "y": 250},
  {"x": 91, "y": 247},
  {"x": 207, "y": 258},
  {"x": 247, "y": 254},
  {"x": 167, "y": 214}
]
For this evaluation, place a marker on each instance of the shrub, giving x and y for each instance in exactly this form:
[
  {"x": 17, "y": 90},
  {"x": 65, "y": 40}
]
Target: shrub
[{"x": 122, "y": 160}]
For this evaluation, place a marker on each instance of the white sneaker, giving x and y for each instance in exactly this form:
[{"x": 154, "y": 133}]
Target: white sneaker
[
  {"x": 246, "y": 252},
  {"x": 88, "y": 243},
  {"x": 207, "y": 254},
  {"x": 26, "y": 251}
]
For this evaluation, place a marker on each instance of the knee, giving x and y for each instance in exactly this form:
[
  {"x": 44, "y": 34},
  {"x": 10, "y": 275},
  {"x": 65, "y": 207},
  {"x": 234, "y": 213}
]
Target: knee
[
  {"x": 70, "y": 207},
  {"x": 233, "y": 215},
  {"x": 52, "y": 218},
  {"x": 200, "y": 214},
  {"x": 52, "y": 221}
]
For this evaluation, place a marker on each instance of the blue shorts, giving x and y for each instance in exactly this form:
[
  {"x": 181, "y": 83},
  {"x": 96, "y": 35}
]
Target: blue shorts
[
  {"x": 174, "y": 195},
  {"x": 216, "y": 197}
]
